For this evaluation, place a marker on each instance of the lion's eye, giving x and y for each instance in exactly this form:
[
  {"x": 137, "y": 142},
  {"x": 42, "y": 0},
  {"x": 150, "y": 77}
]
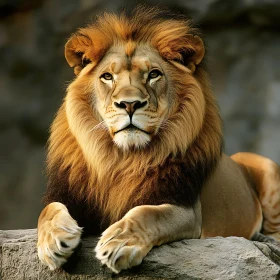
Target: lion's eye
[
  {"x": 107, "y": 76},
  {"x": 154, "y": 74}
]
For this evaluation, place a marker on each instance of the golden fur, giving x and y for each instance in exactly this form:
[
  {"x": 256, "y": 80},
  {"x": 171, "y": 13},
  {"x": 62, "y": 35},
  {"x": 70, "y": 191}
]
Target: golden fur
[{"x": 99, "y": 171}]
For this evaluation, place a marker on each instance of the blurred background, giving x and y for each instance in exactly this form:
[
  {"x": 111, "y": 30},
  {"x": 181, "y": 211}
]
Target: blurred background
[{"x": 243, "y": 45}]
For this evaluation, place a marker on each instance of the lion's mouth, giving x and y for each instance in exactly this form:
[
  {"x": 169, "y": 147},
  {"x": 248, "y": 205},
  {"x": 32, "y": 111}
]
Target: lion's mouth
[{"x": 131, "y": 127}]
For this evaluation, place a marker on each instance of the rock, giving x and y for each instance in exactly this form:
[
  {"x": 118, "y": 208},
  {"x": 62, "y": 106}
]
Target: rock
[
  {"x": 243, "y": 68},
  {"x": 21, "y": 176},
  {"x": 213, "y": 258}
]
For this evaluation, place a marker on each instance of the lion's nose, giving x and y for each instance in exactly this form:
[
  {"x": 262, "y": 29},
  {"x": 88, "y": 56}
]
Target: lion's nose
[{"x": 130, "y": 107}]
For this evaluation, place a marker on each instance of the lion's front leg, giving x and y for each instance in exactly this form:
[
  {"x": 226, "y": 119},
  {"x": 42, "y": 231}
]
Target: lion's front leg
[
  {"x": 125, "y": 243},
  {"x": 58, "y": 235}
]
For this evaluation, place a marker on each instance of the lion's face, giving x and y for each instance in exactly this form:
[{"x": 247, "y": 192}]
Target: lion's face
[
  {"x": 139, "y": 83},
  {"x": 131, "y": 95}
]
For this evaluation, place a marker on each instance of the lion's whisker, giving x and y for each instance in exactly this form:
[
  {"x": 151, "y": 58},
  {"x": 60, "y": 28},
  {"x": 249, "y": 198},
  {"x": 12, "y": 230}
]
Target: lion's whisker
[{"x": 101, "y": 126}]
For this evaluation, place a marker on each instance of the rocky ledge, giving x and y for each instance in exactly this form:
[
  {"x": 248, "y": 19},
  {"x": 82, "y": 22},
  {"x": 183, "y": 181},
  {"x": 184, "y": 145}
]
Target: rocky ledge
[{"x": 213, "y": 258}]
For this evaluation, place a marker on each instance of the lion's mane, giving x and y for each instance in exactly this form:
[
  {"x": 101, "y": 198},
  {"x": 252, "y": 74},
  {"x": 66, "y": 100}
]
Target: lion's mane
[{"x": 99, "y": 182}]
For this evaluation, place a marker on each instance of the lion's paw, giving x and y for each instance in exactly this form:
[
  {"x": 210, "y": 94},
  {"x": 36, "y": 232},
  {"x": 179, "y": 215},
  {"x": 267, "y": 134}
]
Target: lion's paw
[
  {"x": 57, "y": 239},
  {"x": 122, "y": 246}
]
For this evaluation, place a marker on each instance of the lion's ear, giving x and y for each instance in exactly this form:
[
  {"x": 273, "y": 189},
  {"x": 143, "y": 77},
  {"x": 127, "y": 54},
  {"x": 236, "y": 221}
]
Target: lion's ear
[
  {"x": 80, "y": 50},
  {"x": 194, "y": 52},
  {"x": 76, "y": 50},
  {"x": 188, "y": 50}
]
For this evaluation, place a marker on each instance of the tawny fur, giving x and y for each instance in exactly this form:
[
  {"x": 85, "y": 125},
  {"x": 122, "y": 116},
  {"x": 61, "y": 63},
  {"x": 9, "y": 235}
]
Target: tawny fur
[{"x": 100, "y": 172}]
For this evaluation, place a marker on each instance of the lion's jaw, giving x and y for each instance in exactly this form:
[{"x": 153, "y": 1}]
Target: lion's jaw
[{"x": 131, "y": 96}]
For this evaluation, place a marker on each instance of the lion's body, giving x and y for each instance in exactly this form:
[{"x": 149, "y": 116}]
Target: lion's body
[
  {"x": 137, "y": 147},
  {"x": 229, "y": 203}
]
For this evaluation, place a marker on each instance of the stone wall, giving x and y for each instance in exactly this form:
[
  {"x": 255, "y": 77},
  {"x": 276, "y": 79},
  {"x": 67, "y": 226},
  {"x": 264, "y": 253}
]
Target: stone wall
[{"x": 243, "y": 43}]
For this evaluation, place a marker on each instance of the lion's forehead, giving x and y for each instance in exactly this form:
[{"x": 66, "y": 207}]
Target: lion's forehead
[{"x": 141, "y": 61}]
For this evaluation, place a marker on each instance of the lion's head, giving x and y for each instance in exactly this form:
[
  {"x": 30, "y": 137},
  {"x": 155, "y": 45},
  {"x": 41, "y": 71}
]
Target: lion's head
[
  {"x": 140, "y": 100},
  {"x": 134, "y": 75}
]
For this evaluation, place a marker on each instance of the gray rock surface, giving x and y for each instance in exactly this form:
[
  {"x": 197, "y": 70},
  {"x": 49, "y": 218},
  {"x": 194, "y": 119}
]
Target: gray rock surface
[
  {"x": 243, "y": 41},
  {"x": 215, "y": 258}
]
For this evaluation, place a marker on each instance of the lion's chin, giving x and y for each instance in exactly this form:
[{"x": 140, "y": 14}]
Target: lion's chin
[{"x": 128, "y": 139}]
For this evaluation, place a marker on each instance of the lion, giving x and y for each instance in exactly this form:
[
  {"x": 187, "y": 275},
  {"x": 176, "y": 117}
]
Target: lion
[{"x": 135, "y": 151}]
